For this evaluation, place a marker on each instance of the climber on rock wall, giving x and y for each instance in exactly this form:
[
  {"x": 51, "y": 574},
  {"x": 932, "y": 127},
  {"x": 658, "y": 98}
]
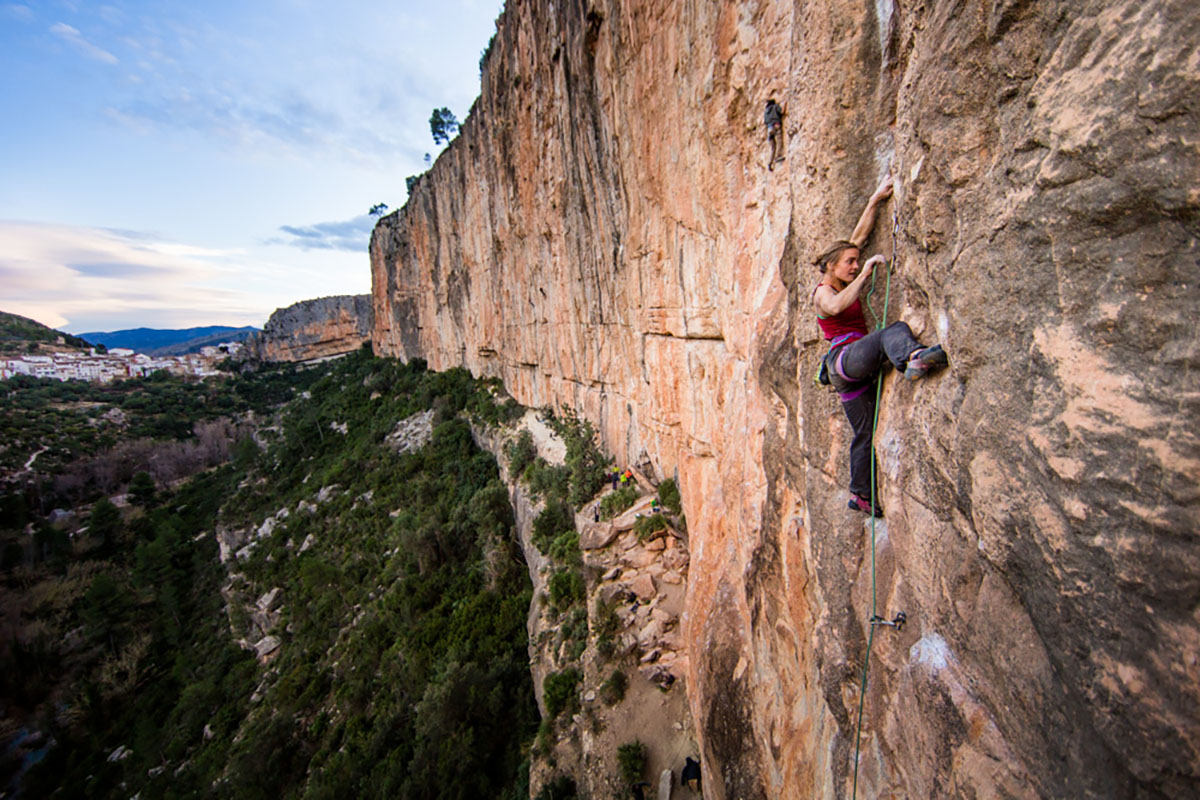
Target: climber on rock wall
[
  {"x": 773, "y": 119},
  {"x": 856, "y": 356}
]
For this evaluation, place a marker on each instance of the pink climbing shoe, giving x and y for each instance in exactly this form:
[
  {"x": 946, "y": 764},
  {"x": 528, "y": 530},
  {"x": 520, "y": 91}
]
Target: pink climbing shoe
[
  {"x": 860, "y": 503},
  {"x": 924, "y": 361}
]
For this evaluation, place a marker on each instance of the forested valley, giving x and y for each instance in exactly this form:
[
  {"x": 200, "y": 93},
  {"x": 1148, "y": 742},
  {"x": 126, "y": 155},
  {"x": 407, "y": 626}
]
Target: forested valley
[{"x": 254, "y": 587}]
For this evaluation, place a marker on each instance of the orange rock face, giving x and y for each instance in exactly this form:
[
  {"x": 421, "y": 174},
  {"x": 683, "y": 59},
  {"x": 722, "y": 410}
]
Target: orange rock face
[
  {"x": 605, "y": 235},
  {"x": 327, "y": 326}
]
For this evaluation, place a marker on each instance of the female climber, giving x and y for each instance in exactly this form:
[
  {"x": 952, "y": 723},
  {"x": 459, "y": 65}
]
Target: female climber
[{"x": 856, "y": 356}]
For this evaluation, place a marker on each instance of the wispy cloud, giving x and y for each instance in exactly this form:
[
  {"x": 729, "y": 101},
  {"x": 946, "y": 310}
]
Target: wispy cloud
[
  {"x": 352, "y": 234},
  {"x": 17, "y": 11},
  {"x": 93, "y": 278},
  {"x": 75, "y": 38}
]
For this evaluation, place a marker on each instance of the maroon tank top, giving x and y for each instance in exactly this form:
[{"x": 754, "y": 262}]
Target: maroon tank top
[{"x": 850, "y": 321}]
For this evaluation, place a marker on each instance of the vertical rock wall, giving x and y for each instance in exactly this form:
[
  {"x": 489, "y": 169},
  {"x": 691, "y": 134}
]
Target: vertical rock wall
[
  {"x": 326, "y": 326},
  {"x": 604, "y": 234}
]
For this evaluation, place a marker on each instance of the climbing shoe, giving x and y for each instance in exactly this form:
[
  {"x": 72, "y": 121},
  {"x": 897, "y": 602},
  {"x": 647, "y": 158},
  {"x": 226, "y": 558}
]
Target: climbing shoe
[
  {"x": 860, "y": 503},
  {"x": 924, "y": 361}
]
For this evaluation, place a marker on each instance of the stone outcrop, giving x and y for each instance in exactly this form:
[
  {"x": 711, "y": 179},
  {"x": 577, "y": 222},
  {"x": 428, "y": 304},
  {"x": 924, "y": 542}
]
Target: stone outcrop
[
  {"x": 604, "y": 234},
  {"x": 634, "y": 599},
  {"x": 327, "y": 326}
]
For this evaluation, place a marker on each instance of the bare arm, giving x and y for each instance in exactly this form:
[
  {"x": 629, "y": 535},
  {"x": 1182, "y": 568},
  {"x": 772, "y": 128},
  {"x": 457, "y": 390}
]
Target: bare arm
[
  {"x": 867, "y": 221},
  {"x": 830, "y": 302}
]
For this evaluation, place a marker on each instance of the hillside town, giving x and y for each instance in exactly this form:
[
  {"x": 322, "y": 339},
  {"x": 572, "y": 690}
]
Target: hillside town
[{"x": 115, "y": 364}]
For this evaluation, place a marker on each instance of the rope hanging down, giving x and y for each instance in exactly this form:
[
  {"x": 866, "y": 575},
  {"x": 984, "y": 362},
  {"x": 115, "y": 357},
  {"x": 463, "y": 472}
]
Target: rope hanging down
[{"x": 875, "y": 620}]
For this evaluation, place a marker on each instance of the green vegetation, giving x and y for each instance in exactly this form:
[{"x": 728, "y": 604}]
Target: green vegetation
[
  {"x": 668, "y": 495},
  {"x": 585, "y": 463},
  {"x": 484, "y": 53},
  {"x": 17, "y": 333},
  {"x": 106, "y": 432},
  {"x": 520, "y": 452},
  {"x": 614, "y": 503},
  {"x": 606, "y": 624},
  {"x": 566, "y": 589},
  {"x": 555, "y": 519},
  {"x": 560, "y": 788},
  {"x": 443, "y": 125},
  {"x": 631, "y": 759},
  {"x": 402, "y": 605},
  {"x": 648, "y": 525},
  {"x": 142, "y": 490},
  {"x": 560, "y": 691},
  {"x": 612, "y": 691}
]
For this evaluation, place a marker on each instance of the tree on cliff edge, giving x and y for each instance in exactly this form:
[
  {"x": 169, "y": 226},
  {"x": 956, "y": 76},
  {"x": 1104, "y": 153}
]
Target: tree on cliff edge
[{"x": 442, "y": 125}]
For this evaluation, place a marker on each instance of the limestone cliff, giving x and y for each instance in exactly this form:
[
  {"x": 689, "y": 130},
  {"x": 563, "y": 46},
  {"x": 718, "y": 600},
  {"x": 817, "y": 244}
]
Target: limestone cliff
[
  {"x": 634, "y": 595},
  {"x": 604, "y": 234},
  {"x": 326, "y": 326}
]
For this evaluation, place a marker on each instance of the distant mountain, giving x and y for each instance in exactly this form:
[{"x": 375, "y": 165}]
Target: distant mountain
[
  {"x": 195, "y": 345},
  {"x": 17, "y": 331},
  {"x": 146, "y": 340}
]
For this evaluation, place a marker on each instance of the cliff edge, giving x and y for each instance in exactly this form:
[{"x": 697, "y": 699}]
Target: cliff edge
[
  {"x": 320, "y": 328},
  {"x": 605, "y": 234}
]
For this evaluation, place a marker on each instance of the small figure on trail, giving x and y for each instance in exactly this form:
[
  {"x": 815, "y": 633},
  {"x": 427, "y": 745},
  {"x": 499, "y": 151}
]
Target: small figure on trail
[
  {"x": 614, "y": 474},
  {"x": 690, "y": 777},
  {"x": 654, "y": 509},
  {"x": 857, "y": 355},
  {"x": 773, "y": 119}
]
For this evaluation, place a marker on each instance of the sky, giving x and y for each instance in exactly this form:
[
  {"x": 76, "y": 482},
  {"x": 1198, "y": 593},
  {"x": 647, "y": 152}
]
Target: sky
[{"x": 173, "y": 164}]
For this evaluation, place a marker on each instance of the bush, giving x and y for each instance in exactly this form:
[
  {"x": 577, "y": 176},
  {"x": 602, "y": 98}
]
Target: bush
[
  {"x": 142, "y": 490},
  {"x": 561, "y": 788},
  {"x": 556, "y": 518},
  {"x": 565, "y": 549},
  {"x": 547, "y": 482},
  {"x": 631, "y": 759},
  {"x": 566, "y": 589},
  {"x": 585, "y": 463},
  {"x": 105, "y": 522},
  {"x": 616, "y": 502},
  {"x": 559, "y": 691},
  {"x": 668, "y": 495},
  {"x": 574, "y": 634},
  {"x": 606, "y": 624},
  {"x": 612, "y": 691},
  {"x": 648, "y": 525},
  {"x": 520, "y": 453}
]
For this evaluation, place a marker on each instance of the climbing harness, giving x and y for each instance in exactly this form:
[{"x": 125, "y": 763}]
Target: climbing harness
[{"x": 875, "y": 620}]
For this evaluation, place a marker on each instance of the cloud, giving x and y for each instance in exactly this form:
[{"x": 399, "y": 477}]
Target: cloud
[
  {"x": 74, "y": 37},
  {"x": 352, "y": 234},
  {"x": 17, "y": 11},
  {"x": 98, "y": 279},
  {"x": 111, "y": 270}
]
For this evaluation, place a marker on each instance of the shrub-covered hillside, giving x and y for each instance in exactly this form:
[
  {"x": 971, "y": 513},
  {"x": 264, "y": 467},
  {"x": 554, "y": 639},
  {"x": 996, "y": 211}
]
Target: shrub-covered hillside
[
  {"x": 21, "y": 334},
  {"x": 365, "y": 636}
]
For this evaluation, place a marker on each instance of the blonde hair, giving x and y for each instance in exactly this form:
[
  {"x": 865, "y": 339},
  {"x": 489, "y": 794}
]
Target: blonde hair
[{"x": 823, "y": 261}]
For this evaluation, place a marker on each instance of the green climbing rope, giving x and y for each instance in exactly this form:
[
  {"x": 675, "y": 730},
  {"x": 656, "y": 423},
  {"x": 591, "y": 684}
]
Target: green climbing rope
[{"x": 862, "y": 694}]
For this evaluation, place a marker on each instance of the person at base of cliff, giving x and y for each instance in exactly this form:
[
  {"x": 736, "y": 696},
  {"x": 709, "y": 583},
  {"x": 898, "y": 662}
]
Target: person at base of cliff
[
  {"x": 773, "y": 119},
  {"x": 690, "y": 776},
  {"x": 856, "y": 355}
]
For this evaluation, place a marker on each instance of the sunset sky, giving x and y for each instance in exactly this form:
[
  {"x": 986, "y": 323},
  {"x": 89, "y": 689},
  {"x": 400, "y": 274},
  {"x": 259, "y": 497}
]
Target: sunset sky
[{"x": 172, "y": 164}]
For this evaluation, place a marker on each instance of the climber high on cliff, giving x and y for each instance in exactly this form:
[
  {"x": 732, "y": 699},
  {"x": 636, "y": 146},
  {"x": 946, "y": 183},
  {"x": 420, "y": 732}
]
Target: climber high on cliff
[
  {"x": 856, "y": 356},
  {"x": 773, "y": 119}
]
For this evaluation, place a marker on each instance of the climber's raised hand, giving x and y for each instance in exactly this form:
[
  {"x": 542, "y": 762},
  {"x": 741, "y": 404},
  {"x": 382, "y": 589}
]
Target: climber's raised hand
[{"x": 885, "y": 189}]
